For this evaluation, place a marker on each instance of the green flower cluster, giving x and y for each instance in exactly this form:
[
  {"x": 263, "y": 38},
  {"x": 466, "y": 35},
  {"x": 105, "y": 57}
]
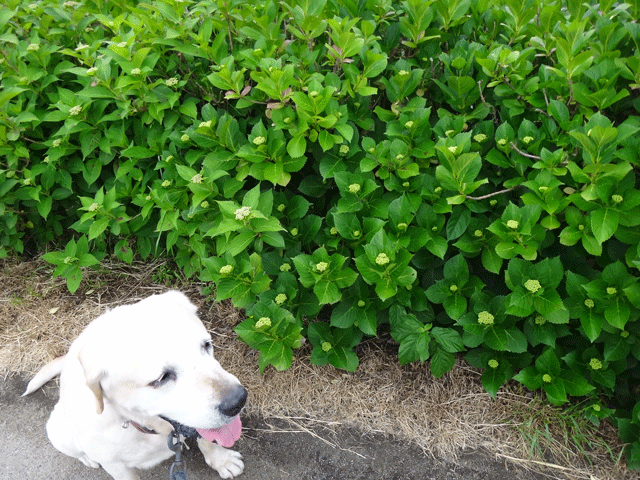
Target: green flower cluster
[
  {"x": 532, "y": 285},
  {"x": 485, "y": 318}
]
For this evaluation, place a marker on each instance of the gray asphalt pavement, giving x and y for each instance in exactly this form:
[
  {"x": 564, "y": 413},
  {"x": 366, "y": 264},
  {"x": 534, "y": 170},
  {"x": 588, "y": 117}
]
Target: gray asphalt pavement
[{"x": 269, "y": 454}]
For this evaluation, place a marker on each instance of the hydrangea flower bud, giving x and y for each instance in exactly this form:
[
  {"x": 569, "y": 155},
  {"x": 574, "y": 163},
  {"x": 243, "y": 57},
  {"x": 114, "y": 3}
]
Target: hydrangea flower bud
[
  {"x": 226, "y": 269},
  {"x": 532, "y": 285},
  {"x": 242, "y": 212},
  {"x": 382, "y": 259},
  {"x": 263, "y": 322},
  {"x": 354, "y": 188},
  {"x": 321, "y": 266},
  {"x": 513, "y": 224},
  {"x": 485, "y": 318}
]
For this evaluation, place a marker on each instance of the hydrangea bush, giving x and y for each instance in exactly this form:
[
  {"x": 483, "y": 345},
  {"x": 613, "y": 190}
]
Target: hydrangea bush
[{"x": 460, "y": 175}]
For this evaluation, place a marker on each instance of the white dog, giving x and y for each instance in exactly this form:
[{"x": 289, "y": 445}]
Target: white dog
[{"x": 131, "y": 372}]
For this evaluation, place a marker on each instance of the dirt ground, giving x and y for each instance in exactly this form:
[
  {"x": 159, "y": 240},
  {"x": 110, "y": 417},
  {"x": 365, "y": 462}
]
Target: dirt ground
[{"x": 383, "y": 421}]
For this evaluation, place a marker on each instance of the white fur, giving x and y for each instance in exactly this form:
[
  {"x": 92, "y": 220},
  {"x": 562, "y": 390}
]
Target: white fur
[{"x": 105, "y": 382}]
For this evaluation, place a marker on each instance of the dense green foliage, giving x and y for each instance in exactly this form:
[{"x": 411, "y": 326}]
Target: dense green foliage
[{"x": 460, "y": 175}]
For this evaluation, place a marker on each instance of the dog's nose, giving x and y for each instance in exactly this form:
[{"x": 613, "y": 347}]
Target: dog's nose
[{"x": 234, "y": 401}]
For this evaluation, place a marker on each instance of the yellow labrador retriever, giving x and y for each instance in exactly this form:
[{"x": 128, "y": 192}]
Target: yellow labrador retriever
[{"x": 133, "y": 373}]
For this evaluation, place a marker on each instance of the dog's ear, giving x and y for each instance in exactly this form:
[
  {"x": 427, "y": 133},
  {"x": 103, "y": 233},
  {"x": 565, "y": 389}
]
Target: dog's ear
[
  {"x": 92, "y": 377},
  {"x": 180, "y": 299}
]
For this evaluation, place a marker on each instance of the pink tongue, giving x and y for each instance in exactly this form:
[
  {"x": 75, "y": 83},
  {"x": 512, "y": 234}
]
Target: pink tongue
[{"x": 226, "y": 435}]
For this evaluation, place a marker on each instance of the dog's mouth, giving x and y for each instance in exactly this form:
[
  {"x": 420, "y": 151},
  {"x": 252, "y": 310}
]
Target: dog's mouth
[{"x": 225, "y": 436}]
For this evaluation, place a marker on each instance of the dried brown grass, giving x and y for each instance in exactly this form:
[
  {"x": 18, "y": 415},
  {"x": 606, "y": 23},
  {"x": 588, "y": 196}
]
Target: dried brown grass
[{"x": 39, "y": 319}]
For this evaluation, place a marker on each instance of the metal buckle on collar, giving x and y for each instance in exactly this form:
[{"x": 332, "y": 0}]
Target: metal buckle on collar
[{"x": 178, "y": 469}]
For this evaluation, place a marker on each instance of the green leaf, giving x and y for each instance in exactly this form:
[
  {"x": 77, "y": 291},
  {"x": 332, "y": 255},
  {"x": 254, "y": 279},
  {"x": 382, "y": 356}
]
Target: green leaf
[
  {"x": 592, "y": 323},
  {"x": 345, "y": 315},
  {"x": 550, "y": 305},
  {"x": 458, "y": 222},
  {"x": 491, "y": 260},
  {"x": 511, "y": 340},
  {"x": 326, "y": 140},
  {"x": 576, "y": 385},
  {"x": 520, "y": 303},
  {"x": 604, "y": 223},
  {"x": 274, "y": 239},
  {"x": 441, "y": 362},
  {"x": 548, "y": 363},
  {"x": 618, "y": 349},
  {"x": 87, "y": 260},
  {"x": 386, "y": 288},
  {"x": 530, "y": 378},
  {"x": 556, "y": 393},
  {"x": 343, "y": 358},
  {"x": 239, "y": 292},
  {"x": 44, "y": 206},
  {"x": 138, "y": 152},
  {"x": 448, "y": 338},
  {"x": 457, "y": 270},
  {"x": 98, "y": 226},
  {"x": 492, "y": 379},
  {"x": 277, "y": 354},
  {"x": 327, "y": 292},
  {"x": 455, "y": 305},
  {"x": 617, "y": 313},
  {"x": 240, "y": 242},
  {"x": 74, "y": 277}
]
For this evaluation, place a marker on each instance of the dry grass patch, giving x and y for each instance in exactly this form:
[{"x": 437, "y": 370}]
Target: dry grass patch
[{"x": 39, "y": 319}]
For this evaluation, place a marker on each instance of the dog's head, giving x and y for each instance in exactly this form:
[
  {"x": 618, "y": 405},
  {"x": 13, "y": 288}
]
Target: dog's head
[{"x": 155, "y": 359}]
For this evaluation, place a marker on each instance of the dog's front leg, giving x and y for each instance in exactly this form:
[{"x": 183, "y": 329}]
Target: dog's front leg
[
  {"x": 228, "y": 463},
  {"x": 120, "y": 472}
]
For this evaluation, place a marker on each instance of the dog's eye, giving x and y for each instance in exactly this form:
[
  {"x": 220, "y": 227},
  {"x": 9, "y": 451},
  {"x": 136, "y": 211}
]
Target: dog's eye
[
  {"x": 167, "y": 376},
  {"x": 207, "y": 346}
]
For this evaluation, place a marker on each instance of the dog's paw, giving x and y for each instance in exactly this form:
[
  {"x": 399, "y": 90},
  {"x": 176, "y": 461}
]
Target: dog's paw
[
  {"x": 88, "y": 462},
  {"x": 228, "y": 463}
]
